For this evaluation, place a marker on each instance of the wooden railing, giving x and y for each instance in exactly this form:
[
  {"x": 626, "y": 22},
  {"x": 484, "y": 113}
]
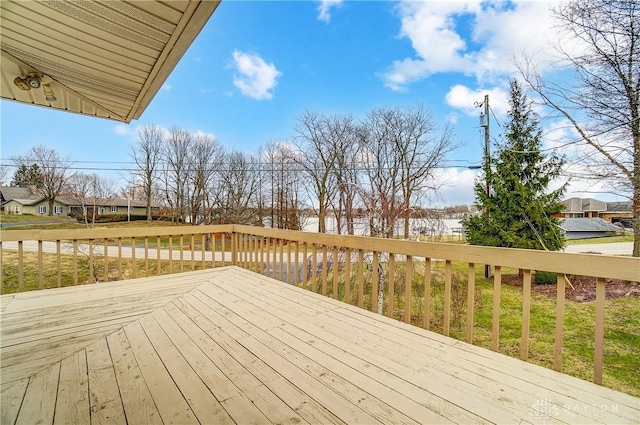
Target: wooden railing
[{"x": 393, "y": 277}]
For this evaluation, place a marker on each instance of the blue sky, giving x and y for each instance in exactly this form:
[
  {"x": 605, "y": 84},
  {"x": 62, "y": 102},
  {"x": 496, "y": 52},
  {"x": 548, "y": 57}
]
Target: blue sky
[{"x": 258, "y": 65}]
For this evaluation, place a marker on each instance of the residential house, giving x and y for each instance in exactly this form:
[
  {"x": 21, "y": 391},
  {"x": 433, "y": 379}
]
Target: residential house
[
  {"x": 611, "y": 212},
  {"x": 111, "y": 206},
  {"x": 27, "y": 200}
]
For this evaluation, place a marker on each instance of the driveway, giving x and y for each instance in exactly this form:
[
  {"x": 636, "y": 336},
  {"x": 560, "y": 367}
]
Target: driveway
[{"x": 615, "y": 248}]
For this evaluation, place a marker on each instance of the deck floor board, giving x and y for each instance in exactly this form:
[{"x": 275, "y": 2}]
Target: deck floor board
[{"x": 229, "y": 346}]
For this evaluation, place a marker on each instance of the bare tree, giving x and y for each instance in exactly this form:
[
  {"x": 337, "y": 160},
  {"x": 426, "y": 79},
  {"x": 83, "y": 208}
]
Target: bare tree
[
  {"x": 146, "y": 154},
  {"x": 343, "y": 144},
  {"x": 175, "y": 173},
  {"x": 403, "y": 150},
  {"x": 602, "y": 99},
  {"x": 239, "y": 178},
  {"x": 54, "y": 169},
  {"x": 89, "y": 191},
  {"x": 281, "y": 184},
  {"x": 205, "y": 158},
  {"x": 4, "y": 172},
  {"x": 317, "y": 161}
]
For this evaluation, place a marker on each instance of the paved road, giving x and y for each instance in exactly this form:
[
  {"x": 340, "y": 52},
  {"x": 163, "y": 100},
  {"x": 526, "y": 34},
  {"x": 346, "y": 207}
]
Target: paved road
[{"x": 615, "y": 248}]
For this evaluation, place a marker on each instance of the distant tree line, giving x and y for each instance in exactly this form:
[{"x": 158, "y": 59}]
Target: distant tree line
[{"x": 377, "y": 168}]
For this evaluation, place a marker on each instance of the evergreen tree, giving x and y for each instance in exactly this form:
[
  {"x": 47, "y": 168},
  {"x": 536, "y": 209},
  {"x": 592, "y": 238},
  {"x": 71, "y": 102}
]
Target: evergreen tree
[
  {"x": 26, "y": 176},
  {"x": 517, "y": 212}
]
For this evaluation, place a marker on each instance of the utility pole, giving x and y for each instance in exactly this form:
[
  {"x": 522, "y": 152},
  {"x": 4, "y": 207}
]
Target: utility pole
[{"x": 484, "y": 122}]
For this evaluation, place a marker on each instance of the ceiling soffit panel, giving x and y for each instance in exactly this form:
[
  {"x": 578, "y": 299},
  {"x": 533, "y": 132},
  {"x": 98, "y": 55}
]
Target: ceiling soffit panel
[{"x": 104, "y": 58}]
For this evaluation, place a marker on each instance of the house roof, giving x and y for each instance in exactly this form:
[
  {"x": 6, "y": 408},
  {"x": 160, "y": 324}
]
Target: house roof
[
  {"x": 620, "y": 206},
  {"x": 105, "y": 59},
  {"x": 587, "y": 225},
  {"x": 108, "y": 202},
  {"x": 578, "y": 205},
  {"x": 22, "y": 195},
  {"x": 583, "y": 204}
]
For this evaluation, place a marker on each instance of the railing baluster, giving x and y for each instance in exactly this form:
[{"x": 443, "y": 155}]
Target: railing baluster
[
  {"x": 181, "y": 253},
  {"x": 20, "y": 266},
  {"x": 222, "y": 247},
  {"x": 325, "y": 270},
  {"x": 375, "y": 281},
  {"x": 557, "y": 347},
  {"x": 289, "y": 277},
  {"x": 360, "y": 278},
  {"x": 158, "y": 263},
  {"x": 119, "y": 258},
  {"x": 91, "y": 275},
  {"x": 105, "y": 253},
  {"x": 314, "y": 268},
  {"x": 203, "y": 246},
  {"x": 347, "y": 275},
  {"x": 192, "y": 252},
  {"x": 447, "y": 297},
  {"x": 408, "y": 280},
  {"x": 40, "y": 266},
  {"x": 305, "y": 277},
  {"x": 75, "y": 261},
  {"x": 471, "y": 292},
  {"x": 296, "y": 274},
  {"x": 170, "y": 254},
  {"x": 58, "y": 264},
  {"x": 495, "y": 319},
  {"x": 281, "y": 251},
  {"x": 146, "y": 256},
  {"x": 392, "y": 285},
  {"x": 268, "y": 266},
  {"x": 526, "y": 311},
  {"x": 426, "y": 319},
  {"x": 336, "y": 266},
  {"x": 598, "y": 355},
  {"x": 134, "y": 265}
]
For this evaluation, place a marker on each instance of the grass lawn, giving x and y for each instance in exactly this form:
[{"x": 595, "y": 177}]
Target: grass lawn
[{"x": 626, "y": 237}]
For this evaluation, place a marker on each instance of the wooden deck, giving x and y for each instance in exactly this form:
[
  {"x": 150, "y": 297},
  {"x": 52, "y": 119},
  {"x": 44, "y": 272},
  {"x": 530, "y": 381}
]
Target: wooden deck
[{"x": 228, "y": 346}]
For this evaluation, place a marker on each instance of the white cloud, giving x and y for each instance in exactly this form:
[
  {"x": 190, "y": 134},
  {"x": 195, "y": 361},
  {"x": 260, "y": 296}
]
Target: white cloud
[
  {"x": 122, "y": 130},
  {"x": 166, "y": 87},
  {"x": 256, "y": 78},
  {"x": 458, "y": 186},
  {"x": 464, "y": 98},
  {"x": 325, "y": 7},
  {"x": 497, "y": 33}
]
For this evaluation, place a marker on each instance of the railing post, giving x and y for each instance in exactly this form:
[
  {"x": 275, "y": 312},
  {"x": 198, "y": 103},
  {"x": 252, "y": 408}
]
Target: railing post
[
  {"x": 598, "y": 355},
  {"x": 526, "y": 312},
  {"x": 495, "y": 315},
  {"x": 448, "y": 271},
  {"x": 234, "y": 248},
  {"x": 560, "y": 293}
]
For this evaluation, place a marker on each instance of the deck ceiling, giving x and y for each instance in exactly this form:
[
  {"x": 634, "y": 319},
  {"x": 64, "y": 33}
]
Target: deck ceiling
[{"x": 104, "y": 58}]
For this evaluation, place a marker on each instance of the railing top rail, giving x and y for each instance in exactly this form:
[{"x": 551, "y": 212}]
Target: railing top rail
[{"x": 110, "y": 233}]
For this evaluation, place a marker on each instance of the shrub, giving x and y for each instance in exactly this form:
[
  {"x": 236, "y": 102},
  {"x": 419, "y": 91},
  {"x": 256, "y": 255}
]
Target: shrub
[{"x": 545, "y": 278}]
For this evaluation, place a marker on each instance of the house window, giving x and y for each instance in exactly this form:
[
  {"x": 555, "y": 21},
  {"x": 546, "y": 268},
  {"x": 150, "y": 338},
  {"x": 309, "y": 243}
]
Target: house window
[
  {"x": 42, "y": 209},
  {"x": 114, "y": 209},
  {"x": 131, "y": 209},
  {"x": 58, "y": 209},
  {"x": 17, "y": 209},
  {"x": 9, "y": 209},
  {"x": 101, "y": 210}
]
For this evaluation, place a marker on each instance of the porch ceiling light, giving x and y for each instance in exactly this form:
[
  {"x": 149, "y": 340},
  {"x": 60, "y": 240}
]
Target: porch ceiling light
[{"x": 34, "y": 81}]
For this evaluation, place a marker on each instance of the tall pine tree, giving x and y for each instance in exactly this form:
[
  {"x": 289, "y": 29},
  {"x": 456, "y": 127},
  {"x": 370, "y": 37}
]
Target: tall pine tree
[{"x": 517, "y": 212}]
